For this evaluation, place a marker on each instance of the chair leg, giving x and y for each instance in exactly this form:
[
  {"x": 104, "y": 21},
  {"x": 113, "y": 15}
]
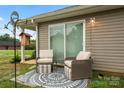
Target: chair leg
[
  {"x": 36, "y": 67},
  {"x": 67, "y": 72},
  {"x": 51, "y": 67}
]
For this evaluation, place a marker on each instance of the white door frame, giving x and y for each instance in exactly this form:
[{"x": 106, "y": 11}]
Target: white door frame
[{"x": 64, "y": 23}]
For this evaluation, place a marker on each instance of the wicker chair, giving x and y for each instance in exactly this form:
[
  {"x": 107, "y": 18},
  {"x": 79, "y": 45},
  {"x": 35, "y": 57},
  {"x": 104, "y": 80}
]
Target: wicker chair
[
  {"x": 45, "y": 61},
  {"x": 78, "y": 67}
]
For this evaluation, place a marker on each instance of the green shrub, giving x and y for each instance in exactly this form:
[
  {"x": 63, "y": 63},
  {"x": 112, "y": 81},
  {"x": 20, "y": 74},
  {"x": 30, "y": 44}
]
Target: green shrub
[{"x": 18, "y": 59}]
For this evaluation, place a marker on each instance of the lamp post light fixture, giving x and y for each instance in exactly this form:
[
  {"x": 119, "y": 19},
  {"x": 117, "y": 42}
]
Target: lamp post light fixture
[{"x": 14, "y": 18}]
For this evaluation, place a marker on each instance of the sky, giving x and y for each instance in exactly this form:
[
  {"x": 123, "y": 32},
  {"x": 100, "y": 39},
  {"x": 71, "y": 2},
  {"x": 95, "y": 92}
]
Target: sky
[{"x": 24, "y": 11}]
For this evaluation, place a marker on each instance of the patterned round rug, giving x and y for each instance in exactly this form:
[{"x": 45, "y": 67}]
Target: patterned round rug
[{"x": 57, "y": 79}]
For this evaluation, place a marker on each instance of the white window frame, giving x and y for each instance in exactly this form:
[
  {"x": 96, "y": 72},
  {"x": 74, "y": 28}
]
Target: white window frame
[{"x": 64, "y": 23}]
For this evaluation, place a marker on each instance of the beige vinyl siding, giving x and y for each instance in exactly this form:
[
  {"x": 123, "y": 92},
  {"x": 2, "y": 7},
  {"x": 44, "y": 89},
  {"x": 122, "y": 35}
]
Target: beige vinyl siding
[
  {"x": 105, "y": 40},
  {"x": 43, "y": 36}
]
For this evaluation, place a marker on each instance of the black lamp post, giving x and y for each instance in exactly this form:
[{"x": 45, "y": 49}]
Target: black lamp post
[{"x": 14, "y": 18}]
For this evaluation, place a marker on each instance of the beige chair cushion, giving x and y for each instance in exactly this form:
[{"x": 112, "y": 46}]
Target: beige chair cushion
[
  {"x": 45, "y": 60},
  {"x": 46, "y": 54},
  {"x": 83, "y": 55},
  {"x": 68, "y": 62}
]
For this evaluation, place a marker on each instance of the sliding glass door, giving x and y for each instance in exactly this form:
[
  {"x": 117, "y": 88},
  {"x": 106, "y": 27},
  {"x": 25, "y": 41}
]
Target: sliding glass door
[
  {"x": 57, "y": 41},
  {"x": 66, "y": 40},
  {"x": 74, "y": 39}
]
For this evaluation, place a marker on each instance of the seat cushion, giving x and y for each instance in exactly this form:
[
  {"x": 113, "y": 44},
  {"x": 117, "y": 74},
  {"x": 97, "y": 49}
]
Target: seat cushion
[
  {"x": 45, "y": 60},
  {"x": 68, "y": 63},
  {"x": 83, "y": 55},
  {"x": 46, "y": 54}
]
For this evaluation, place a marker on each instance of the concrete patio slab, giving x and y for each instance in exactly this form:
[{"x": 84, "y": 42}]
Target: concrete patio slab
[{"x": 29, "y": 62}]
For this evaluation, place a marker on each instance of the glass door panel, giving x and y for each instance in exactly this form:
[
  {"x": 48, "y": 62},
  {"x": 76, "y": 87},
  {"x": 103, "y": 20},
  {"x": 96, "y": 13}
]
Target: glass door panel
[
  {"x": 57, "y": 42},
  {"x": 74, "y": 39}
]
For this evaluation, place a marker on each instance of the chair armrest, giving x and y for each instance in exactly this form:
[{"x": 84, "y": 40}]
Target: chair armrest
[
  {"x": 70, "y": 58},
  {"x": 81, "y": 61}
]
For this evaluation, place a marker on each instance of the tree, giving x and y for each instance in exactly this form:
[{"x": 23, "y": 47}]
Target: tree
[{"x": 7, "y": 37}]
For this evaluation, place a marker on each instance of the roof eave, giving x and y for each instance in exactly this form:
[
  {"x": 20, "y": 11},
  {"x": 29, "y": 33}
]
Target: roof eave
[
  {"x": 69, "y": 12},
  {"x": 76, "y": 12}
]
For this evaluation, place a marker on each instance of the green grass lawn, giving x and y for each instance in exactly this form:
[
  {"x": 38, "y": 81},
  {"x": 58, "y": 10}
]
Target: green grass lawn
[
  {"x": 7, "y": 73},
  {"x": 108, "y": 80},
  {"x": 7, "y": 68},
  {"x": 7, "y": 55}
]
